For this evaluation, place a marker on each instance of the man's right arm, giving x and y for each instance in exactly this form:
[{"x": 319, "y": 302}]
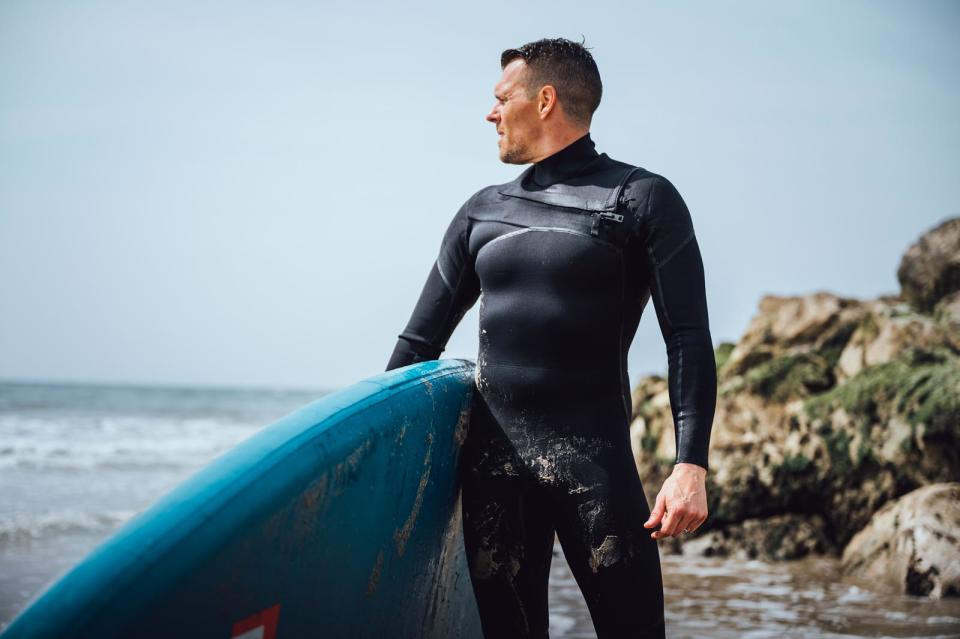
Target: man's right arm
[{"x": 451, "y": 289}]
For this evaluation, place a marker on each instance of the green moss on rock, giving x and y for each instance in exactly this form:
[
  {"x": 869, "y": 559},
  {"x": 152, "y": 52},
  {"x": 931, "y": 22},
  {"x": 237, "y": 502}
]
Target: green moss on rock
[
  {"x": 831, "y": 354},
  {"x": 921, "y": 385},
  {"x": 869, "y": 328},
  {"x": 648, "y": 441},
  {"x": 788, "y": 376},
  {"x": 722, "y": 354},
  {"x": 796, "y": 464},
  {"x": 934, "y": 397},
  {"x": 838, "y": 446}
]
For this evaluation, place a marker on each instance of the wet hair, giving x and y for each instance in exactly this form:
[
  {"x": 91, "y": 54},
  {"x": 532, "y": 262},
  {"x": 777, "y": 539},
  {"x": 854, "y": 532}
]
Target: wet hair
[{"x": 567, "y": 66}]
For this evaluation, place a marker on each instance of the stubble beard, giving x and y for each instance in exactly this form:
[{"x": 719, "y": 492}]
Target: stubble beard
[{"x": 515, "y": 154}]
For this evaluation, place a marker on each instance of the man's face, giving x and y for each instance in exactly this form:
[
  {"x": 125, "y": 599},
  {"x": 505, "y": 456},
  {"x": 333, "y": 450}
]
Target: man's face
[{"x": 516, "y": 118}]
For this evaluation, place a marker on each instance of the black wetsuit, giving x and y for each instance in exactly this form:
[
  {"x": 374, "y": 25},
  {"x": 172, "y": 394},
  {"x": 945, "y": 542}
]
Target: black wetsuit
[{"x": 562, "y": 282}]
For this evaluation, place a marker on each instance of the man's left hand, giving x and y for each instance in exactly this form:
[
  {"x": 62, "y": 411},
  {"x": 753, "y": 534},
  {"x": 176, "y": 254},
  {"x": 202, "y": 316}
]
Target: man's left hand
[{"x": 683, "y": 498}]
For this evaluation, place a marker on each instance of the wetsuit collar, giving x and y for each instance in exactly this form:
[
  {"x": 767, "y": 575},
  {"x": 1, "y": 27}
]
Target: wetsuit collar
[{"x": 565, "y": 163}]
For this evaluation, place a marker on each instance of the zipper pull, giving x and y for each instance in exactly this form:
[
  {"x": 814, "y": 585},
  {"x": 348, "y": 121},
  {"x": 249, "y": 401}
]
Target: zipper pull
[{"x": 603, "y": 215}]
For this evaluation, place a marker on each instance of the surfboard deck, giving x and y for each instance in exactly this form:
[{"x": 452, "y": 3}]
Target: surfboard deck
[{"x": 341, "y": 519}]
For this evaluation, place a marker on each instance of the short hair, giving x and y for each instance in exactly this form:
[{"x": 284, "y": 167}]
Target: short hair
[{"x": 568, "y": 67}]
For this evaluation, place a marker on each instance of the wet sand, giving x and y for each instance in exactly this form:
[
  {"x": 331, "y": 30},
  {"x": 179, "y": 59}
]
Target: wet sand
[{"x": 709, "y": 597}]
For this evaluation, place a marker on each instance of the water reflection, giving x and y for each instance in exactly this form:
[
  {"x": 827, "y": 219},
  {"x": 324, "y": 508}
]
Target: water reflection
[{"x": 711, "y": 597}]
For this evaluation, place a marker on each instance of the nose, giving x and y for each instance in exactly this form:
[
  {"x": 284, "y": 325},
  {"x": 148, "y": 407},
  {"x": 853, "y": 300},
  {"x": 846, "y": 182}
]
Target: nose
[{"x": 493, "y": 116}]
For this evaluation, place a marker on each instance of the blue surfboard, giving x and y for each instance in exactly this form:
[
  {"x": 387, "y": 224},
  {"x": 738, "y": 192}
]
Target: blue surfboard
[{"x": 341, "y": 519}]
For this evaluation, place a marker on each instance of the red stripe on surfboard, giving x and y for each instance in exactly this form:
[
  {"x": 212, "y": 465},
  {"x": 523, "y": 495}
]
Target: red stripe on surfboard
[{"x": 267, "y": 618}]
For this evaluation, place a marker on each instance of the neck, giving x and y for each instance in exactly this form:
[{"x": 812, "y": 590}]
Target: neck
[
  {"x": 556, "y": 140},
  {"x": 565, "y": 162}
]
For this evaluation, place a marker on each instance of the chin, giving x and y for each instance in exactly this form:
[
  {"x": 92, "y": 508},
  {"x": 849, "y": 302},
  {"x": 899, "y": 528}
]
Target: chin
[{"x": 512, "y": 157}]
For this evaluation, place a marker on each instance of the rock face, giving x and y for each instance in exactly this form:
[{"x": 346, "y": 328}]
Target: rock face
[
  {"x": 793, "y": 326},
  {"x": 912, "y": 545},
  {"x": 828, "y": 408},
  {"x": 930, "y": 269},
  {"x": 887, "y": 329}
]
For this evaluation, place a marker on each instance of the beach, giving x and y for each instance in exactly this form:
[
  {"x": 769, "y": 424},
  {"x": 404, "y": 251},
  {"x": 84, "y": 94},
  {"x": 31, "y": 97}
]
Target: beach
[{"x": 76, "y": 462}]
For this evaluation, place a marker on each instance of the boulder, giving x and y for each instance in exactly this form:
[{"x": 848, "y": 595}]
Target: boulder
[
  {"x": 930, "y": 268},
  {"x": 911, "y": 545}
]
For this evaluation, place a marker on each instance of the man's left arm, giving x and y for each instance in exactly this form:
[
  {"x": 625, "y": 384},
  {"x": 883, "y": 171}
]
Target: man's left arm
[{"x": 677, "y": 287}]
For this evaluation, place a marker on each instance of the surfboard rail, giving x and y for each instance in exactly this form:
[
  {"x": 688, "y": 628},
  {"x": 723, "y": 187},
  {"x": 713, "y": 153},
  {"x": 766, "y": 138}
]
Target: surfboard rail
[{"x": 339, "y": 519}]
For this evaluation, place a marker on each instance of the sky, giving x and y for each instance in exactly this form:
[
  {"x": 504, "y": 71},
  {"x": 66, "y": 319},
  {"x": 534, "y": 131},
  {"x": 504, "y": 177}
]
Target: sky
[{"x": 252, "y": 194}]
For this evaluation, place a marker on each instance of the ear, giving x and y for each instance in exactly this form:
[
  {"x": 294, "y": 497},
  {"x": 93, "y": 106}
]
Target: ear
[{"x": 546, "y": 100}]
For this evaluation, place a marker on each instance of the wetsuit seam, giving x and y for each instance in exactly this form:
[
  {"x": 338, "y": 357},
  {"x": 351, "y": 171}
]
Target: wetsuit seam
[
  {"x": 670, "y": 255},
  {"x": 468, "y": 231},
  {"x": 452, "y": 306},
  {"x": 654, "y": 263},
  {"x": 663, "y": 301},
  {"x": 453, "y": 298},
  {"x": 653, "y": 188},
  {"x": 519, "y": 231},
  {"x": 560, "y": 229},
  {"x": 621, "y": 357},
  {"x": 504, "y": 222},
  {"x": 620, "y": 354},
  {"x": 555, "y": 229},
  {"x": 680, "y": 399},
  {"x": 443, "y": 276}
]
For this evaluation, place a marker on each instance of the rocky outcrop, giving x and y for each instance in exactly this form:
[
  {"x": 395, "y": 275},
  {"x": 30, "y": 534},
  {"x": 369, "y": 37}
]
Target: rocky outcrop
[
  {"x": 947, "y": 312},
  {"x": 790, "y": 328},
  {"x": 930, "y": 269},
  {"x": 889, "y": 327},
  {"x": 828, "y": 408},
  {"x": 912, "y": 544}
]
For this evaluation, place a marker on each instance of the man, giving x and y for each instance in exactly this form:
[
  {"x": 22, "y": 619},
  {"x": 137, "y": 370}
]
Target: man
[{"x": 564, "y": 259}]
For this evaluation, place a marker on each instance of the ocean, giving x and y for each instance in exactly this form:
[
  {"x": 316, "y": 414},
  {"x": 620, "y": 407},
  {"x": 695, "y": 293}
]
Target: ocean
[{"x": 76, "y": 462}]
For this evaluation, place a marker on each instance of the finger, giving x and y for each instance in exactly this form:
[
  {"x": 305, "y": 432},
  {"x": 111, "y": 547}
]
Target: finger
[
  {"x": 688, "y": 525},
  {"x": 671, "y": 521},
  {"x": 667, "y": 520},
  {"x": 657, "y": 513},
  {"x": 698, "y": 523}
]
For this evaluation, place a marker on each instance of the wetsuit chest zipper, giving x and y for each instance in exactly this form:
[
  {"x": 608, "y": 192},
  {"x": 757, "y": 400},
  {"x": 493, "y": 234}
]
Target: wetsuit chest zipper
[
  {"x": 603, "y": 215},
  {"x": 609, "y": 215}
]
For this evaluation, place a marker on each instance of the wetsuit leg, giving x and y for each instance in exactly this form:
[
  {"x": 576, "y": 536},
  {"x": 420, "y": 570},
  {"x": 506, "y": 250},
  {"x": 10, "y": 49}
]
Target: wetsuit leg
[
  {"x": 508, "y": 533},
  {"x": 612, "y": 556}
]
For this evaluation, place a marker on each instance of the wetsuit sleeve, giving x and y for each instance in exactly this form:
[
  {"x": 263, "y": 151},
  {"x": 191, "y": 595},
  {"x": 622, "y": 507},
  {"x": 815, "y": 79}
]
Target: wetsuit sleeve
[
  {"x": 451, "y": 289},
  {"x": 679, "y": 297}
]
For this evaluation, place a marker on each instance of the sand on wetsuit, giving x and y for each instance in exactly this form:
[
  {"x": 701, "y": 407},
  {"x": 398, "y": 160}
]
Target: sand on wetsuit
[{"x": 564, "y": 260}]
